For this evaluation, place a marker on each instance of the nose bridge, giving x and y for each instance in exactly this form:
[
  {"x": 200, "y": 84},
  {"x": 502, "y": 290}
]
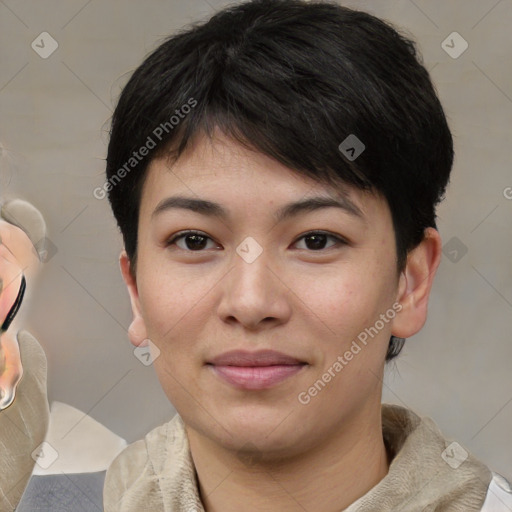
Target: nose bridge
[
  {"x": 251, "y": 291},
  {"x": 251, "y": 275}
]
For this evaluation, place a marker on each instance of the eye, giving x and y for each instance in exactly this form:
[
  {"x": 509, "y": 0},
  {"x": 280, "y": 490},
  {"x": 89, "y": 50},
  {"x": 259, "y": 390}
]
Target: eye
[
  {"x": 315, "y": 240},
  {"x": 195, "y": 241}
]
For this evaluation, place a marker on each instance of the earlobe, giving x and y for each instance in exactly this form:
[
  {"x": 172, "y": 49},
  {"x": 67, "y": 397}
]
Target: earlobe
[
  {"x": 415, "y": 285},
  {"x": 137, "y": 332}
]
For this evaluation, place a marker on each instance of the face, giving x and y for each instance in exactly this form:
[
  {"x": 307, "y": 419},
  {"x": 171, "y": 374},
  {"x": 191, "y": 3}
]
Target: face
[{"x": 307, "y": 283}]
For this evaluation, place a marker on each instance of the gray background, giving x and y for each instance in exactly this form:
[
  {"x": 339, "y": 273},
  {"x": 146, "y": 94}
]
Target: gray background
[{"x": 54, "y": 117}]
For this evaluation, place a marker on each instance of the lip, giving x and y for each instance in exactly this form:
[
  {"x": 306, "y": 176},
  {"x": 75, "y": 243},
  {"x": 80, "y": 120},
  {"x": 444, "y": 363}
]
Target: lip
[
  {"x": 255, "y": 370},
  {"x": 258, "y": 358}
]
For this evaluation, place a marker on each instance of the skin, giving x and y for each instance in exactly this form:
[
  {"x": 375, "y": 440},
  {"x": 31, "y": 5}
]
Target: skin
[{"x": 264, "y": 448}]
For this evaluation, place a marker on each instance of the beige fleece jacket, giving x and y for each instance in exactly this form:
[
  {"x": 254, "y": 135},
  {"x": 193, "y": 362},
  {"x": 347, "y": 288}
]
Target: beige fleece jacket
[{"x": 428, "y": 473}]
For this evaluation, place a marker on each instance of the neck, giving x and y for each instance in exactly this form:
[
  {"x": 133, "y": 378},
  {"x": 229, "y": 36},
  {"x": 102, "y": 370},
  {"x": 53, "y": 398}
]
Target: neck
[{"x": 327, "y": 478}]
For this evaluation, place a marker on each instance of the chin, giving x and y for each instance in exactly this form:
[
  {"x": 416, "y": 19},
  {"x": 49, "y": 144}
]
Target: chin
[{"x": 263, "y": 427}]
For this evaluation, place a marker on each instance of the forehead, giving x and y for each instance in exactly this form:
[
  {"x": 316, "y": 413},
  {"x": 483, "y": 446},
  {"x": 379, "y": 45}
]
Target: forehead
[{"x": 223, "y": 171}]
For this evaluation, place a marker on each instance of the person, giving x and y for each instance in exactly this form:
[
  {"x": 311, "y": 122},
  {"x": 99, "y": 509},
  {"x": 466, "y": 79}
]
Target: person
[{"x": 275, "y": 173}]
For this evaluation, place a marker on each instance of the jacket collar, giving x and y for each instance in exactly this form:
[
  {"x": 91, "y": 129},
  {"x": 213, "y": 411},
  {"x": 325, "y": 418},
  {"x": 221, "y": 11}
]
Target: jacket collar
[{"x": 427, "y": 472}]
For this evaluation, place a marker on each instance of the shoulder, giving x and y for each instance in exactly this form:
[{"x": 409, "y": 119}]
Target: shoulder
[
  {"x": 499, "y": 495},
  {"x": 132, "y": 479},
  {"x": 143, "y": 455},
  {"x": 70, "y": 492}
]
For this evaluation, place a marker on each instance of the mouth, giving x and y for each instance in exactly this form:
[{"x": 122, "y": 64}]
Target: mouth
[{"x": 255, "y": 370}]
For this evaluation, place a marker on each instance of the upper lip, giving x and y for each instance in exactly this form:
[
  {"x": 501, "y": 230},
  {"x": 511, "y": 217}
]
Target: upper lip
[{"x": 258, "y": 358}]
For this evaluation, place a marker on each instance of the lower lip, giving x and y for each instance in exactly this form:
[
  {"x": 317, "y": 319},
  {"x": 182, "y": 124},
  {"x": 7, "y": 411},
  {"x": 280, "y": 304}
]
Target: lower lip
[{"x": 256, "y": 377}]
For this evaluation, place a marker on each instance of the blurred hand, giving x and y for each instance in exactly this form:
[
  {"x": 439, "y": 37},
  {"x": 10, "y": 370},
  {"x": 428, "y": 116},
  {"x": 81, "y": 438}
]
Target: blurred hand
[
  {"x": 18, "y": 248},
  {"x": 24, "y": 409},
  {"x": 17, "y": 257}
]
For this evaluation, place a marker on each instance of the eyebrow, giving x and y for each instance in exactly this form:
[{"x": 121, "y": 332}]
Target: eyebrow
[{"x": 212, "y": 209}]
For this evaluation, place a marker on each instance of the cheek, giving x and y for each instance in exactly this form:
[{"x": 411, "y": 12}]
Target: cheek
[
  {"x": 349, "y": 304},
  {"x": 173, "y": 305},
  {"x": 346, "y": 300},
  {"x": 171, "y": 309}
]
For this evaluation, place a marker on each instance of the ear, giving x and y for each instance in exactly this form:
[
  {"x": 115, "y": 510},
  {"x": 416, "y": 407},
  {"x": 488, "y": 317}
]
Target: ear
[
  {"x": 415, "y": 285},
  {"x": 137, "y": 331}
]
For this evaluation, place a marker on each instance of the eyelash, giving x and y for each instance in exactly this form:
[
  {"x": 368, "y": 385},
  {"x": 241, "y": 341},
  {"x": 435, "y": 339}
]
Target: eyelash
[{"x": 183, "y": 234}]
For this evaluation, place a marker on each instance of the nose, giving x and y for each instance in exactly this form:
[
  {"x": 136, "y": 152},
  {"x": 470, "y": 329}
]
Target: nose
[{"x": 254, "y": 293}]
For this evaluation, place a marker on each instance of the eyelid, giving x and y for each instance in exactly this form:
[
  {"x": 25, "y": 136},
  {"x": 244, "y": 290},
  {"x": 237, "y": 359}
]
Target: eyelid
[
  {"x": 186, "y": 232},
  {"x": 339, "y": 239}
]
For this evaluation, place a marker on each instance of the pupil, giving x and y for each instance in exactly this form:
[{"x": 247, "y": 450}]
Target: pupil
[
  {"x": 320, "y": 241},
  {"x": 198, "y": 241},
  {"x": 195, "y": 244}
]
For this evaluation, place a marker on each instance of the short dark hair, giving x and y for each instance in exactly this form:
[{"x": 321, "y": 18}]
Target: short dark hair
[{"x": 291, "y": 79}]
